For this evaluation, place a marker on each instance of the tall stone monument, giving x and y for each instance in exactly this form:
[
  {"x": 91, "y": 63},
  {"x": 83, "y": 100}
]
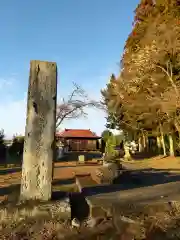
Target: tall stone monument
[{"x": 39, "y": 145}]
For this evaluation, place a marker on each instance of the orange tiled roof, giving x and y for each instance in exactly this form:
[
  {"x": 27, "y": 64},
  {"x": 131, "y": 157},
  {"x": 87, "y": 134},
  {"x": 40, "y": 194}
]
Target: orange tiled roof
[{"x": 81, "y": 133}]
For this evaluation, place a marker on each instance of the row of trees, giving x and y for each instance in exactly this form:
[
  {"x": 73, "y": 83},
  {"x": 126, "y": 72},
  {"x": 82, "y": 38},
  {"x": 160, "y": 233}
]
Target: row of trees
[{"x": 144, "y": 100}]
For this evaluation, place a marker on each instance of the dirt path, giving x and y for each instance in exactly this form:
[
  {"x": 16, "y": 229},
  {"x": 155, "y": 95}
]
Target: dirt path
[
  {"x": 10, "y": 178},
  {"x": 68, "y": 169}
]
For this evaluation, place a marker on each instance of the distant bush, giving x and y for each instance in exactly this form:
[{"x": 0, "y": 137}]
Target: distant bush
[
  {"x": 105, "y": 135},
  {"x": 111, "y": 152},
  {"x": 16, "y": 149},
  {"x": 2, "y": 147}
]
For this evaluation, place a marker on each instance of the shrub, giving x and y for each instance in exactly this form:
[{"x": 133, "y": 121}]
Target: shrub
[
  {"x": 2, "y": 147},
  {"x": 111, "y": 152},
  {"x": 16, "y": 149}
]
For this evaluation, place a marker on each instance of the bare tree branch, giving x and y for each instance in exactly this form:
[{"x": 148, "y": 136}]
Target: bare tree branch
[
  {"x": 169, "y": 75},
  {"x": 74, "y": 106}
]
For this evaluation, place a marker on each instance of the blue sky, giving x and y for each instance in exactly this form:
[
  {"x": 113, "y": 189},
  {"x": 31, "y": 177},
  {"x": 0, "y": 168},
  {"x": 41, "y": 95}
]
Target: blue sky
[{"x": 85, "y": 38}]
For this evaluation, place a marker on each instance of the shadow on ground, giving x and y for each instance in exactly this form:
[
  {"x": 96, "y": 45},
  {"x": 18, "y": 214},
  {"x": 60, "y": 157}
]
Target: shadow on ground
[
  {"x": 10, "y": 170},
  {"x": 73, "y": 156},
  {"x": 143, "y": 155},
  {"x": 134, "y": 179},
  {"x": 128, "y": 179},
  {"x": 79, "y": 206},
  {"x": 13, "y": 191}
]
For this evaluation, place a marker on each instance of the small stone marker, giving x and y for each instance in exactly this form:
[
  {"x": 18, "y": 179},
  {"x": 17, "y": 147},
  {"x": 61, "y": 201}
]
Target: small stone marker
[
  {"x": 107, "y": 173},
  {"x": 81, "y": 159}
]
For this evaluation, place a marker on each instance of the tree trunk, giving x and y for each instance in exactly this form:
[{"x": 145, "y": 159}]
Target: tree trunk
[
  {"x": 140, "y": 144},
  {"x": 176, "y": 124},
  {"x": 144, "y": 141},
  {"x": 158, "y": 144},
  {"x": 171, "y": 145},
  {"x": 163, "y": 145},
  {"x": 134, "y": 136},
  {"x": 147, "y": 143},
  {"x": 163, "y": 142},
  {"x": 39, "y": 145}
]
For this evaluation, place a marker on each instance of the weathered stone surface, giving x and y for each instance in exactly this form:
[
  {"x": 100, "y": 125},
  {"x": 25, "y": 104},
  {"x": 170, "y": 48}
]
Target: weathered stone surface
[
  {"x": 81, "y": 159},
  {"x": 39, "y": 145},
  {"x": 107, "y": 173},
  {"x": 85, "y": 181},
  {"x": 92, "y": 222},
  {"x": 75, "y": 223}
]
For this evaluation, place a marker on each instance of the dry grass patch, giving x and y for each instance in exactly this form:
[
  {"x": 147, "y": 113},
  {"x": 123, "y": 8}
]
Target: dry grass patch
[
  {"x": 32, "y": 220},
  {"x": 26, "y": 222},
  {"x": 159, "y": 162}
]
